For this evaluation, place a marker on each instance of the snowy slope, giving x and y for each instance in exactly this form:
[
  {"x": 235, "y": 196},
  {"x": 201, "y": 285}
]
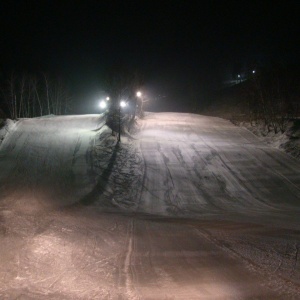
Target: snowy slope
[
  {"x": 192, "y": 207},
  {"x": 289, "y": 141},
  {"x": 179, "y": 164},
  {"x": 196, "y": 164},
  {"x": 44, "y": 160}
]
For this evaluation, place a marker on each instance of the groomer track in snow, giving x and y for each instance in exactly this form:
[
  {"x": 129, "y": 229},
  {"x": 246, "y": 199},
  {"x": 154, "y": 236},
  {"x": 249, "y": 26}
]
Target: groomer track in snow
[
  {"x": 197, "y": 164},
  {"x": 191, "y": 207}
]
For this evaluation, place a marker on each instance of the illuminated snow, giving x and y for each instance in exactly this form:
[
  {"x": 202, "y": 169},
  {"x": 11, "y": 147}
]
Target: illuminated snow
[{"x": 191, "y": 208}]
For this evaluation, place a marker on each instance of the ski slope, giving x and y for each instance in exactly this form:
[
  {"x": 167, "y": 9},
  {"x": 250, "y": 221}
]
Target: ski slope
[
  {"x": 196, "y": 164},
  {"x": 190, "y": 207},
  {"x": 44, "y": 161}
]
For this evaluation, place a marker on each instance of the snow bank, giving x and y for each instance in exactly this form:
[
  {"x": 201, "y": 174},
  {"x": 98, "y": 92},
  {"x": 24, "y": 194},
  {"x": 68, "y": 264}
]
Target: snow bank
[
  {"x": 289, "y": 141},
  {"x": 5, "y": 127}
]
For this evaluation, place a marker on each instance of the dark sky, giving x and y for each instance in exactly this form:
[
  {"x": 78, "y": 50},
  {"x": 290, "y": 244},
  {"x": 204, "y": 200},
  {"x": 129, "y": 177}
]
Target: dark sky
[{"x": 178, "y": 46}]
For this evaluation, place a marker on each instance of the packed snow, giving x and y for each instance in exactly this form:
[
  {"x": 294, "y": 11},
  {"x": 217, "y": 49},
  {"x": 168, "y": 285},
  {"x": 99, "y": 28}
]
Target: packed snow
[
  {"x": 190, "y": 207},
  {"x": 288, "y": 141}
]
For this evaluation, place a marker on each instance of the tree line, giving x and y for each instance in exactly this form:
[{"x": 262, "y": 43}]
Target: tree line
[
  {"x": 27, "y": 95},
  {"x": 273, "y": 96}
]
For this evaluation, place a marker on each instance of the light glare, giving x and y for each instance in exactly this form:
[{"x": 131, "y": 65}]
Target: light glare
[
  {"x": 139, "y": 94},
  {"x": 102, "y": 104},
  {"x": 122, "y": 103}
]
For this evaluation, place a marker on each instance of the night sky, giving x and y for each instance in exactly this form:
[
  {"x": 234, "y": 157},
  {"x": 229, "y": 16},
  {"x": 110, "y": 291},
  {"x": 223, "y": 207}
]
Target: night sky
[{"x": 181, "y": 48}]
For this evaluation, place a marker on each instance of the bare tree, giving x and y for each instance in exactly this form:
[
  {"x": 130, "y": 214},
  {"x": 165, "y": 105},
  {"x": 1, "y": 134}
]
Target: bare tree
[
  {"x": 31, "y": 95},
  {"x": 270, "y": 97}
]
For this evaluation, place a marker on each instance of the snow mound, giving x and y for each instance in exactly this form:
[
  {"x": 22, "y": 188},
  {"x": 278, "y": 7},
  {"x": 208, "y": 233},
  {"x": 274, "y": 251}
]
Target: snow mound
[
  {"x": 292, "y": 144},
  {"x": 5, "y": 127},
  {"x": 289, "y": 141}
]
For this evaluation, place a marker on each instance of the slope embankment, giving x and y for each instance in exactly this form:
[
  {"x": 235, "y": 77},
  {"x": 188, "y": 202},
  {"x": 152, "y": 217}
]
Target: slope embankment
[{"x": 45, "y": 161}]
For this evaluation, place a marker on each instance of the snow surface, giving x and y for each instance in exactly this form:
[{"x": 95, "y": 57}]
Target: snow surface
[
  {"x": 5, "y": 127},
  {"x": 289, "y": 141},
  {"x": 192, "y": 207}
]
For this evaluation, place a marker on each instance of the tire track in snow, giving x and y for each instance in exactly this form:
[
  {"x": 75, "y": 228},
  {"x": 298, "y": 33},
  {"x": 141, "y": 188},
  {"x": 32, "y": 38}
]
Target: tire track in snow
[
  {"x": 143, "y": 186},
  {"x": 127, "y": 272},
  {"x": 294, "y": 186},
  {"x": 199, "y": 186},
  {"x": 264, "y": 163},
  {"x": 278, "y": 282},
  {"x": 236, "y": 178},
  {"x": 76, "y": 149},
  {"x": 295, "y": 259},
  {"x": 171, "y": 195}
]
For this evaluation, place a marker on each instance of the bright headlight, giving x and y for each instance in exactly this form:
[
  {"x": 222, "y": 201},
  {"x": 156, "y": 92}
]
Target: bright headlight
[{"x": 103, "y": 104}]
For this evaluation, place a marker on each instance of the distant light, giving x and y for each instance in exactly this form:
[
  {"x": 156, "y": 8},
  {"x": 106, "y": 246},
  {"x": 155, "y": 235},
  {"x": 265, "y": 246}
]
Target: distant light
[
  {"x": 139, "y": 94},
  {"x": 107, "y": 98},
  {"x": 103, "y": 104},
  {"x": 253, "y": 72},
  {"x": 239, "y": 76},
  {"x": 123, "y": 103}
]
